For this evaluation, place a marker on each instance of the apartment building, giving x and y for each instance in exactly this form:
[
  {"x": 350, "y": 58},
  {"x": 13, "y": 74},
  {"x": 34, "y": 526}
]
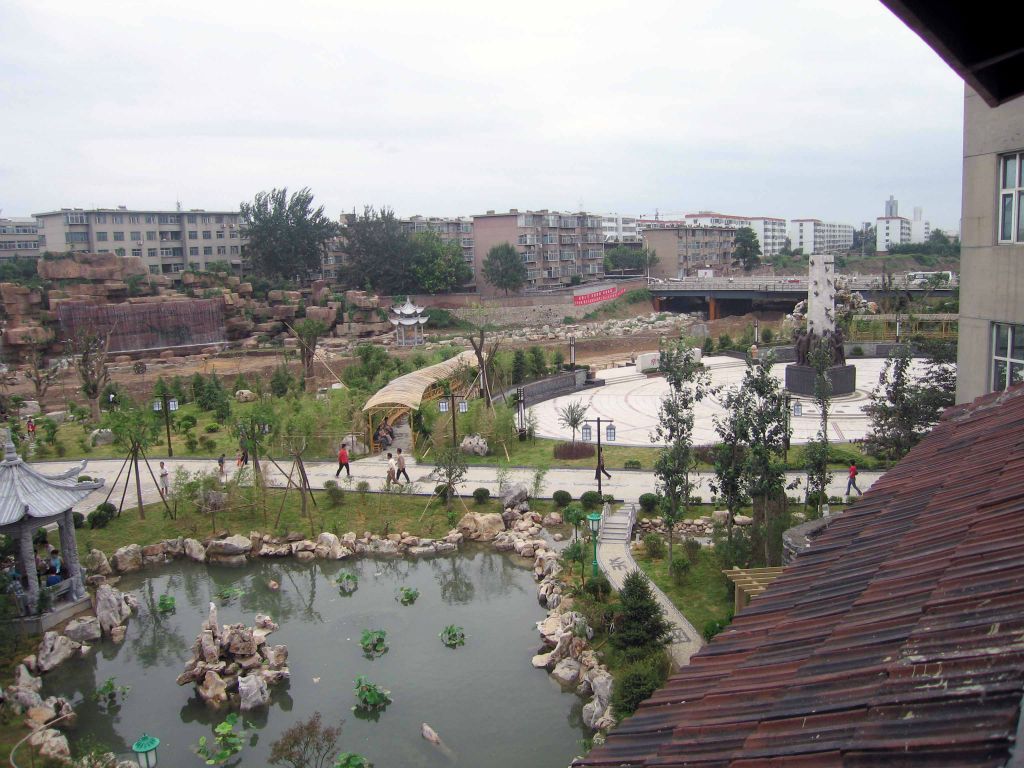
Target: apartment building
[
  {"x": 557, "y": 248},
  {"x": 620, "y": 229},
  {"x": 449, "y": 230},
  {"x": 920, "y": 227},
  {"x": 770, "y": 231},
  {"x": 682, "y": 250},
  {"x": 168, "y": 242},
  {"x": 817, "y": 236},
  {"x": 19, "y": 238},
  {"x": 891, "y": 230}
]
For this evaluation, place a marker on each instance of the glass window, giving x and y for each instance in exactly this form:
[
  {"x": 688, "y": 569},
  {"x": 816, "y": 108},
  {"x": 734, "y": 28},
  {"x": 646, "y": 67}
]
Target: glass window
[
  {"x": 207, "y": 235},
  {"x": 135, "y": 236},
  {"x": 193, "y": 250},
  {"x": 191, "y": 218},
  {"x": 151, "y": 252},
  {"x": 137, "y": 252},
  {"x": 101, "y": 218},
  {"x": 1007, "y": 355},
  {"x": 117, "y": 219},
  {"x": 1010, "y": 172},
  {"x": 151, "y": 235},
  {"x": 193, "y": 235},
  {"x": 1006, "y": 217},
  {"x": 134, "y": 220},
  {"x": 1011, "y": 199},
  {"x": 101, "y": 237},
  {"x": 119, "y": 236},
  {"x": 208, "y": 250}
]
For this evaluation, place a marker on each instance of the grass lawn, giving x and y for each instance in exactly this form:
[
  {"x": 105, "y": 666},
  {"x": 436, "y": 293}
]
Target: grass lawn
[
  {"x": 704, "y": 594},
  {"x": 375, "y": 512}
]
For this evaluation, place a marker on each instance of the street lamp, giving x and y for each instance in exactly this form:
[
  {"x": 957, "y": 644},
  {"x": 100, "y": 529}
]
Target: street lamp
[
  {"x": 572, "y": 352},
  {"x": 585, "y": 432},
  {"x": 166, "y": 403},
  {"x": 521, "y": 411},
  {"x": 594, "y": 519},
  {"x": 789, "y": 423},
  {"x": 447, "y": 404},
  {"x": 145, "y": 750}
]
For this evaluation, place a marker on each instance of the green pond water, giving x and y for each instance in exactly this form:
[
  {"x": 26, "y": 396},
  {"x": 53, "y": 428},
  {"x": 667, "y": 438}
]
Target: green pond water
[{"x": 490, "y": 707}]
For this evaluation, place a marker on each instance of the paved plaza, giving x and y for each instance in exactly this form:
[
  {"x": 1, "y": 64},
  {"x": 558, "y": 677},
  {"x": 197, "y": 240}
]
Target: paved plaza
[{"x": 632, "y": 400}]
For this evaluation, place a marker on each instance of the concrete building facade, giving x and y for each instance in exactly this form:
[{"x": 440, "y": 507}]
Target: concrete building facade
[
  {"x": 450, "y": 230},
  {"x": 920, "y": 227},
  {"x": 167, "y": 241},
  {"x": 19, "y": 238},
  {"x": 556, "y": 247},
  {"x": 683, "y": 250},
  {"x": 991, "y": 344},
  {"x": 817, "y": 236},
  {"x": 891, "y": 230},
  {"x": 770, "y": 230},
  {"x": 620, "y": 230}
]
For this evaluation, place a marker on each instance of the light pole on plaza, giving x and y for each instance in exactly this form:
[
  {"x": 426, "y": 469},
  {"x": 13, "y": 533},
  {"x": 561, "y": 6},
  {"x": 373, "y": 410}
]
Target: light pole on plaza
[
  {"x": 594, "y": 519},
  {"x": 610, "y": 435}
]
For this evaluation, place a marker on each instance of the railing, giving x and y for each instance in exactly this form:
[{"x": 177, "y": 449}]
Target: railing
[{"x": 783, "y": 285}]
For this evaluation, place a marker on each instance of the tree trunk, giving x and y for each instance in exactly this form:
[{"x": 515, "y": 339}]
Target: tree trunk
[
  {"x": 138, "y": 482},
  {"x": 94, "y": 408}
]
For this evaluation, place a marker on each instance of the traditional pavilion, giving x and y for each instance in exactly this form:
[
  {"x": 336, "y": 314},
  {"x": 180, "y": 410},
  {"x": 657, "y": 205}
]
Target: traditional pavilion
[
  {"x": 30, "y": 500},
  {"x": 408, "y": 320}
]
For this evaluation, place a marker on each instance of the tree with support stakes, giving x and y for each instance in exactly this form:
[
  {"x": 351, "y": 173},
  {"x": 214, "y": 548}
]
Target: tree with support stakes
[
  {"x": 91, "y": 352},
  {"x": 37, "y": 372},
  {"x": 254, "y": 430},
  {"x": 308, "y": 332},
  {"x": 296, "y": 433},
  {"x": 134, "y": 430}
]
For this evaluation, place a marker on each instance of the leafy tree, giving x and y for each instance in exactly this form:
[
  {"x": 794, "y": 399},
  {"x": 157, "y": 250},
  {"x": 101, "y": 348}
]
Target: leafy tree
[
  {"x": 629, "y": 259},
  {"x": 286, "y": 234},
  {"x": 572, "y": 416},
  {"x": 91, "y": 356},
  {"x": 450, "y": 472},
  {"x": 537, "y": 363},
  {"x": 307, "y": 744},
  {"x": 281, "y": 381},
  {"x": 816, "y": 451},
  {"x": 747, "y": 250},
  {"x": 574, "y": 515},
  {"x": 518, "y": 366},
  {"x": 37, "y": 372},
  {"x": 308, "y": 331},
  {"x": 504, "y": 268},
  {"x": 380, "y": 253},
  {"x": 438, "y": 267},
  {"x": 641, "y": 627}
]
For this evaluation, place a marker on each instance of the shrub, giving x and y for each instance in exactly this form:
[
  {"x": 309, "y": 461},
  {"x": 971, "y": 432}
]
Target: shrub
[
  {"x": 640, "y": 628},
  {"x": 481, "y": 495},
  {"x": 191, "y": 444},
  {"x": 632, "y": 464},
  {"x": 561, "y": 498},
  {"x": 362, "y": 487},
  {"x": 208, "y": 443},
  {"x": 84, "y": 479},
  {"x": 725, "y": 341},
  {"x": 712, "y": 627},
  {"x": 708, "y": 347},
  {"x": 590, "y": 500},
  {"x": 574, "y": 450},
  {"x": 334, "y": 493},
  {"x": 599, "y": 588},
  {"x": 692, "y": 548},
  {"x": 212, "y": 427},
  {"x": 649, "y": 502},
  {"x": 637, "y": 682},
  {"x": 185, "y": 423},
  {"x": 102, "y": 515},
  {"x": 679, "y": 568},
  {"x": 654, "y": 545},
  {"x": 79, "y": 519},
  {"x": 442, "y": 491},
  {"x": 857, "y": 351},
  {"x": 767, "y": 335}
]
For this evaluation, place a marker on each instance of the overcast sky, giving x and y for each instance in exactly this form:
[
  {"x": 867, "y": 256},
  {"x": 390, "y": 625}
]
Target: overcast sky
[{"x": 787, "y": 108}]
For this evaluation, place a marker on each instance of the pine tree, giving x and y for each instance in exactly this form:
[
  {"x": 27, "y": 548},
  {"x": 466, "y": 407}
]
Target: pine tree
[
  {"x": 641, "y": 627},
  {"x": 518, "y": 366}
]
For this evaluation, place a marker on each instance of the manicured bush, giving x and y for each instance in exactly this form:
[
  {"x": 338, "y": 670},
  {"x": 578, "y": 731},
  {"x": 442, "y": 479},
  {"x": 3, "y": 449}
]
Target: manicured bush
[
  {"x": 442, "y": 491},
  {"x": 481, "y": 495},
  {"x": 649, "y": 502},
  {"x": 654, "y": 545},
  {"x": 632, "y": 464},
  {"x": 598, "y": 588},
  {"x": 561, "y": 498},
  {"x": 636, "y": 682},
  {"x": 679, "y": 568},
  {"x": 574, "y": 450},
  {"x": 78, "y": 518},
  {"x": 712, "y": 627},
  {"x": 767, "y": 336},
  {"x": 335, "y": 495},
  {"x": 857, "y": 351},
  {"x": 208, "y": 443},
  {"x": 590, "y": 500},
  {"x": 724, "y": 342},
  {"x": 84, "y": 479},
  {"x": 212, "y": 427},
  {"x": 102, "y": 515}
]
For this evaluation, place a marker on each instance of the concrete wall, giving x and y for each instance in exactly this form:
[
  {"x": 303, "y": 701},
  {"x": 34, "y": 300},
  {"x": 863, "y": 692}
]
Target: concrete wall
[
  {"x": 553, "y": 386},
  {"x": 991, "y": 275}
]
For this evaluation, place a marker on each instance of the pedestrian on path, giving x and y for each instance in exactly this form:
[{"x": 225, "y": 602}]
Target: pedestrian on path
[
  {"x": 245, "y": 457},
  {"x": 31, "y": 427},
  {"x": 165, "y": 481},
  {"x": 392, "y": 470},
  {"x": 220, "y": 467},
  {"x": 400, "y": 462},
  {"x": 852, "y": 482},
  {"x": 600, "y": 466},
  {"x": 238, "y": 460},
  {"x": 343, "y": 461}
]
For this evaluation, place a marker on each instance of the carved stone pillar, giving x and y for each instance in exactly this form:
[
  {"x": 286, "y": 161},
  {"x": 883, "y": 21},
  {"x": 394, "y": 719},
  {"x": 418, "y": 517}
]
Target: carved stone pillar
[
  {"x": 69, "y": 550},
  {"x": 28, "y": 559}
]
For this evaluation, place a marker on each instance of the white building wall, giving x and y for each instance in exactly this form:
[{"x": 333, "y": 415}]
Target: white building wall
[{"x": 891, "y": 230}]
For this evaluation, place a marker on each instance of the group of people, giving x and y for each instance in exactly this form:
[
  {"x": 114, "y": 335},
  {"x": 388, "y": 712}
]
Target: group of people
[{"x": 385, "y": 435}]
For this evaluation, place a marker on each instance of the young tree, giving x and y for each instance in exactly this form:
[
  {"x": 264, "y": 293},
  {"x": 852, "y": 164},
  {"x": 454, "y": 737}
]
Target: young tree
[
  {"x": 37, "y": 372},
  {"x": 91, "y": 355},
  {"x": 641, "y": 627},
  {"x": 307, "y": 744},
  {"x": 308, "y": 331},
  {"x": 572, "y": 416},
  {"x": 286, "y": 235},
  {"x": 450, "y": 472},
  {"x": 518, "y": 366},
  {"x": 134, "y": 430},
  {"x": 893, "y": 410},
  {"x": 747, "y": 250},
  {"x": 816, "y": 451},
  {"x": 730, "y": 455},
  {"x": 537, "y": 364},
  {"x": 504, "y": 268},
  {"x": 437, "y": 266}
]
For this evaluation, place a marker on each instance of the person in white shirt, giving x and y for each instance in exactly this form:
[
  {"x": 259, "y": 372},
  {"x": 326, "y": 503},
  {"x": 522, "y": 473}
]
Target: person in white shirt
[
  {"x": 165, "y": 481},
  {"x": 392, "y": 470}
]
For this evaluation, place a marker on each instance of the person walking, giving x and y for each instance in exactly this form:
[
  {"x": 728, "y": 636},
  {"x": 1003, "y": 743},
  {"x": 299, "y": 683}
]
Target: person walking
[
  {"x": 31, "y": 427},
  {"x": 245, "y": 457},
  {"x": 343, "y": 461},
  {"x": 165, "y": 481},
  {"x": 220, "y": 467},
  {"x": 392, "y": 470},
  {"x": 600, "y": 466},
  {"x": 852, "y": 481},
  {"x": 400, "y": 461}
]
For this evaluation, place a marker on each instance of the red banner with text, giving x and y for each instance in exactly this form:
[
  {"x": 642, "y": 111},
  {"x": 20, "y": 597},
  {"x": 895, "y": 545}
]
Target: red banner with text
[{"x": 605, "y": 294}]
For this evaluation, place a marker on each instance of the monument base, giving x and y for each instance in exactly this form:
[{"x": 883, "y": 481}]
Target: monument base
[{"x": 800, "y": 379}]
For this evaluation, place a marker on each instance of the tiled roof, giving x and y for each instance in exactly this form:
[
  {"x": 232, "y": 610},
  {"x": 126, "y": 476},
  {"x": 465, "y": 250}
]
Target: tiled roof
[
  {"x": 26, "y": 492},
  {"x": 897, "y": 639}
]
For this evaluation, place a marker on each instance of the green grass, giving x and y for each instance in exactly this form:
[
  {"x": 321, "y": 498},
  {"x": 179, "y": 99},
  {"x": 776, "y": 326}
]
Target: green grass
[{"x": 704, "y": 594}]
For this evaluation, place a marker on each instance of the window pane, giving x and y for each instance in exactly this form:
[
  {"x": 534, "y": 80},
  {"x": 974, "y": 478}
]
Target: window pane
[
  {"x": 1002, "y": 340},
  {"x": 999, "y": 376},
  {"x": 1020, "y": 217},
  {"x": 1017, "y": 344},
  {"x": 1016, "y": 373},
  {"x": 1009, "y": 172},
  {"x": 1006, "y": 218}
]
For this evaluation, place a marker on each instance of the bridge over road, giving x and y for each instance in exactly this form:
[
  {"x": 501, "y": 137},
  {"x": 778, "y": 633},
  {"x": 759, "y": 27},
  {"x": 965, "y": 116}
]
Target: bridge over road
[{"x": 723, "y": 296}]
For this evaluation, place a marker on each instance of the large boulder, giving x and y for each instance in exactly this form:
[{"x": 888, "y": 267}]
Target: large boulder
[
  {"x": 232, "y": 545},
  {"x": 514, "y": 495},
  {"x": 96, "y": 563},
  {"x": 127, "y": 559},
  {"x": 328, "y": 546},
  {"x": 246, "y": 396},
  {"x": 54, "y": 650},
  {"x": 101, "y": 437},
  {"x": 111, "y": 607},
  {"x": 474, "y": 445},
  {"x": 213, "y": 689},
  {"x": 51, "y": 744},
  {"x": 194, "y": 550},
  {"x": 481, "y": 526},
  {"x": 84, "y": 630},
  {"x": 566, "y": 672},
  {"x": 252, "y": 689}
]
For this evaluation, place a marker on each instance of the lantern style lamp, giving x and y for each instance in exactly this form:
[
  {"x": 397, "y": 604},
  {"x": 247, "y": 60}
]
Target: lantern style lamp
[
  {"x": 609, "y": 433},
  {"x": 145, "y": 750},
  {"x": 585, "y": 433},
  {"x": 594, "y": 520}
]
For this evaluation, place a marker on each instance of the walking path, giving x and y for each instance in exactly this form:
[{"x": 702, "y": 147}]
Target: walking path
[{"x": 616, "y": 560}]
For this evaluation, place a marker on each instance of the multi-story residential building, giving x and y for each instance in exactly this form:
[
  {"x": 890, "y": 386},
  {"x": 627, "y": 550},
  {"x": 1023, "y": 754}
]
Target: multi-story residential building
[
  {"x": 770, "y": 231},
  {"x": 167, "y": 241},
  {"x": 620, "y": 229},
  {"x": 683, "y": 250},
  {"x": 450, "y": 230},
  {"x": 891, "y": 230},
  {"x": 557, "y": 248},
  {"x": 19, "y": 238},
  {"x": 920, "y": 228},
  {"x": 817, "y": 236}
]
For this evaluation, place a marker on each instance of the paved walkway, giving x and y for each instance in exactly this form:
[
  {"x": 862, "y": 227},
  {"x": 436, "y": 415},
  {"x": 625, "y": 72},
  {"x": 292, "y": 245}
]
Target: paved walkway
[{"x": 615, "y": 559}]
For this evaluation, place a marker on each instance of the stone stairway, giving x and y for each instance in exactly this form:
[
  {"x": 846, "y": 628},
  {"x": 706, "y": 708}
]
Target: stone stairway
[{"x": 616, "y": 526}]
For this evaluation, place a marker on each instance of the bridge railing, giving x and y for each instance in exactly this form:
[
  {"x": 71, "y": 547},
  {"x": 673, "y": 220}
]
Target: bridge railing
[{"x": 770, "y": 285}]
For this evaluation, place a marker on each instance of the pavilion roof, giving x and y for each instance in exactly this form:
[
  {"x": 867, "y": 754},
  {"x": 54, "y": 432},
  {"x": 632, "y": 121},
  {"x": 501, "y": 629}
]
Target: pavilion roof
[
  {"x": 27, "y": 492},
  {"x": 408, "y": 390}
]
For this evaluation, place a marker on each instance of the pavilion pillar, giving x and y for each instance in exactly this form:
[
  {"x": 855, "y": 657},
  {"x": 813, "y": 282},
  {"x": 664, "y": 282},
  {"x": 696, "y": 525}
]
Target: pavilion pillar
[
  {"x": 28, "y": 563},
  {"x": 69, "y": 550}
]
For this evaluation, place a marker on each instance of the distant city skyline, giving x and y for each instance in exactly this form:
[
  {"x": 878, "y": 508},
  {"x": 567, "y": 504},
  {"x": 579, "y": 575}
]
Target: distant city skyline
[{"x": 747, "y": 109}]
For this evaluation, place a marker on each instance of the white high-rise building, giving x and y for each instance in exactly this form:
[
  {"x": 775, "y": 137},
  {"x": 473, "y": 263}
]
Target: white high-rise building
[
  {"x": 817, "y": 236},
  {"x": 920, "y": 229},
  {"x": 891, "y": 230},
  {"x": 770, "y": 231}
]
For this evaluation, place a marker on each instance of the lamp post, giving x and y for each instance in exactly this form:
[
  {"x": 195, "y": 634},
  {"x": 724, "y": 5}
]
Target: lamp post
[
  {"x": 609, "y": 435},
  {"x": 572, "y": 352},
  {"x": 594, "y": 519},
  {"x": 521, "y": 411},
  {"x": 166, "y": 403},
  {"x": 145, "y": 750},
  {"x": 443, "y": 407}
]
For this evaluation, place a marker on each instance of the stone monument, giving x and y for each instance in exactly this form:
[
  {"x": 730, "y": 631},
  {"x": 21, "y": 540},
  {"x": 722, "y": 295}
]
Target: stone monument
[{"x": 821, "y": 331}]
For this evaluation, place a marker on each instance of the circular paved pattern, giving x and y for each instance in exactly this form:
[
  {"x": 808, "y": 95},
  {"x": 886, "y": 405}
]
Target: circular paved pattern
[{"x": 632, "y": 401}]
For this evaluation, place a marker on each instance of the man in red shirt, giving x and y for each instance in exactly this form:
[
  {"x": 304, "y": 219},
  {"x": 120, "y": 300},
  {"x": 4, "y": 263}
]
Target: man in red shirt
[
  {"x": 852, "y": 482},
  {"x": 343, "y": 461}
]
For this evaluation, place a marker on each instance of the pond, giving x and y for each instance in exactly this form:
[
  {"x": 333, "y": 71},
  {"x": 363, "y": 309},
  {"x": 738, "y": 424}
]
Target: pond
[{"x": 490, "y": 707}]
